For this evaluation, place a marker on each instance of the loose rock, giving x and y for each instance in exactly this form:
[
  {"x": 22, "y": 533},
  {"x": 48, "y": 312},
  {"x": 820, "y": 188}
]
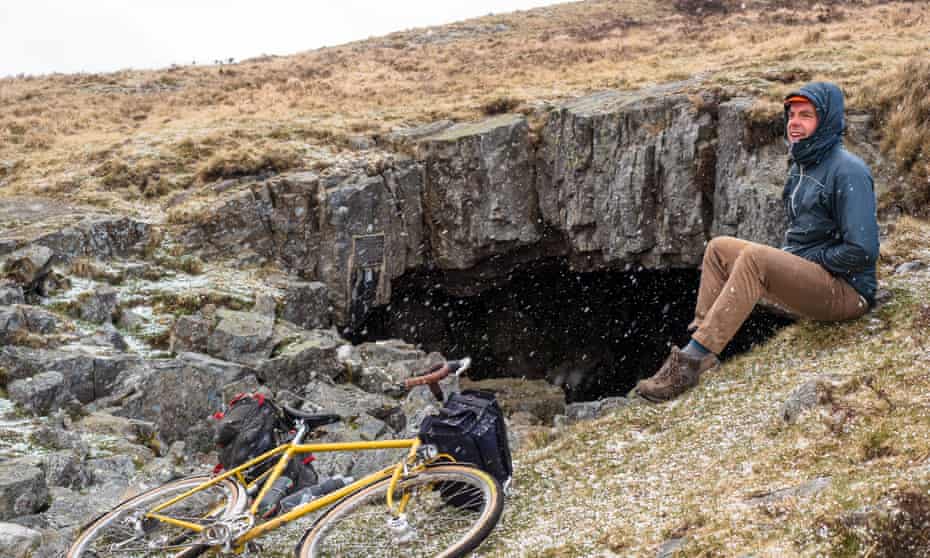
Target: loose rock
[
  {"x": 17, "y": 541},
  {"x": 23, "y": 490}
]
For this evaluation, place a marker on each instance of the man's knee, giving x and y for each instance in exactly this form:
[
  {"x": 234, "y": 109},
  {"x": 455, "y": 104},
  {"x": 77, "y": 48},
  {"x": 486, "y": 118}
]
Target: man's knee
[
  {"x": 758, "y": 256},
  {"x": 723, "y": 249}
]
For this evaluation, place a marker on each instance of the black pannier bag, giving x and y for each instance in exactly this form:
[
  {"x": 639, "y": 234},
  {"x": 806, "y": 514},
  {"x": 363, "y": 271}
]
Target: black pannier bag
[
  {"x": 251, "y": 426},
  {"x": 247, "y": 429},
  {"x": 470, "y": 427}
]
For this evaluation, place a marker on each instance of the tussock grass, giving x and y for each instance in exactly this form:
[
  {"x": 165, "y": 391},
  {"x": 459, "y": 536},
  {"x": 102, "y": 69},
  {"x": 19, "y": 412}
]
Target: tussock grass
[
  {"x": 243, "y": 162},
  {"x": 901, "y": 103}
]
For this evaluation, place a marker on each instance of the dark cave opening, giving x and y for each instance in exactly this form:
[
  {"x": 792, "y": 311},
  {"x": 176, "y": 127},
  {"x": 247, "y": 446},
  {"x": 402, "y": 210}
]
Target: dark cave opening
[{"x": 595, "y": 334}]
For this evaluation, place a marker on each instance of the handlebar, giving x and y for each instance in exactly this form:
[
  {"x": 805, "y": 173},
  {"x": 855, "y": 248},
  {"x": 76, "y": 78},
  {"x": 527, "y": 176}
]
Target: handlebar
[{"x": 437, "y": 373}]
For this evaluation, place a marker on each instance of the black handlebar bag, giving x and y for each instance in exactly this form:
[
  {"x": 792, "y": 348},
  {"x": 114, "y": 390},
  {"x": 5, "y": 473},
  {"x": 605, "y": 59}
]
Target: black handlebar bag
[{"x": 470, "y": 427}]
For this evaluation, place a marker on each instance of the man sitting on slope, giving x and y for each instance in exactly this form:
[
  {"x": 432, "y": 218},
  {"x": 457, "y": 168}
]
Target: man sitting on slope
[{"x": 826, "y": 269}]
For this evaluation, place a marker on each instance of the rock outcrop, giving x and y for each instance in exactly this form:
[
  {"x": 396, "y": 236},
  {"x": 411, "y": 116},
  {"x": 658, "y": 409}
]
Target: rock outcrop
[
  {"x": 608, "y": 180},
  {"x": 626, "y": 177}
]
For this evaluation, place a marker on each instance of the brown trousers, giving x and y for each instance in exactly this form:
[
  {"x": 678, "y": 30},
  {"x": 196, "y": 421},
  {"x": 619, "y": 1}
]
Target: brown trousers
[{"x": 737, "y": 273}]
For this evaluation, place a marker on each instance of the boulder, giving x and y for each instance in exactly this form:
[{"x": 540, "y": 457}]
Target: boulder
[
  {"x": 355, "y": 464},
  {"x": 190, "y": 334},
  {"x": 23, "y": 489},
  {"x": 479, "y": 197},
  {"x": 537, "y": 397},
  {"x": 70, "y": 510},
  {"x": 66, "y": 468},
  {"x": 243, "y": 337},
  {"x": 12, "y": 324},
  {"x": 350, "y": 402},
  {"x": 112, "y": 469},
  {"x": 86, "y": 376},
  {"x": 11, "y": 293},
  {"x": 19, "y": 321},
  {"x": 131, "y": 431},
  {"x": 909, "y": 267},
  {"x": 98, "y": 305},
  {"x": 179, "y": 395},
  {"x": 589, "y": 410},
  {"x": 28, "y": 265},
  {"x": 266, "y": 305},
  {"x": 109, "y": 337},
  {"x": 17, "y": 541},
  {"x": 801, "y": 492},
  {"x": 307, "y": 304},
  {"x": 315, "y": 356},
  {"x": 41, "y": 393},
  {"x": 805, "y": 397}
]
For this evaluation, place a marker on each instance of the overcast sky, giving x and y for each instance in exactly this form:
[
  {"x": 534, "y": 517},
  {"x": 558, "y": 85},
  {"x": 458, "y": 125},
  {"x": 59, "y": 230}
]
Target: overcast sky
[{"x": 43, "y": 36}]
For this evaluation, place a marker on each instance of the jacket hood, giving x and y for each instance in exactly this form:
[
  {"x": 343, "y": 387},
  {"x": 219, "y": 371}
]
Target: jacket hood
[{"x": 830, "y": 105}]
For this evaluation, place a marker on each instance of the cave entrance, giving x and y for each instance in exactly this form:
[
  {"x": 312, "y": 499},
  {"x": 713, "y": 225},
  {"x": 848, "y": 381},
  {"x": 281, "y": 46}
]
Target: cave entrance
[{"x": 593, "y": 333}]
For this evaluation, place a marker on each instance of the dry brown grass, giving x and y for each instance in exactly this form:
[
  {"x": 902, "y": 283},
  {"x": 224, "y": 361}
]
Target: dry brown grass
[
  {"x": 126, "y": 134},
  {"x": 902, "y": 104}
]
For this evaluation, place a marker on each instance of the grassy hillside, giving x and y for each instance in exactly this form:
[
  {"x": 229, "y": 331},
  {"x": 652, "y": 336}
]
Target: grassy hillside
[
  {"x": 723, "y": 470},
  {"x": 118, "y": 137}
]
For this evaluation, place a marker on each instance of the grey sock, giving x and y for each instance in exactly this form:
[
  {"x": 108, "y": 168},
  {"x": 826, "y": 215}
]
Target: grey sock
[{"x": 695, "y": 350}]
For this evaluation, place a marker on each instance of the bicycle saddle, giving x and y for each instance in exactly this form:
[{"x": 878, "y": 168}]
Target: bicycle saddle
[{"x": 313, "y": 421}]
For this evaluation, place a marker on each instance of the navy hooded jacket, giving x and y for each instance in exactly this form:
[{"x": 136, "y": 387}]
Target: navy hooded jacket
[{"x": 829, "y": 198}]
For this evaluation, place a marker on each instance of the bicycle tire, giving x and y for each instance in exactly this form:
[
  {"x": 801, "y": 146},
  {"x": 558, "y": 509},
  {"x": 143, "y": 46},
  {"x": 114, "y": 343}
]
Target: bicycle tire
[
  {"x": 361, "y": 519},
  {"x": 111, "y": 524}
]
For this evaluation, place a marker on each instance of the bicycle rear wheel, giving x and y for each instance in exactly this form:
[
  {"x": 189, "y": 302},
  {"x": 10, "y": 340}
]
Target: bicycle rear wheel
[
  {"x": 451, "y": 510},
  {"x": 125, "y": 532}
]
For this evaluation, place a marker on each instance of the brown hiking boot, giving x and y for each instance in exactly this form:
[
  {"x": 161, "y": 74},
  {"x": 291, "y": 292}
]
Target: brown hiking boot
[{"x": 678, "y": 374}]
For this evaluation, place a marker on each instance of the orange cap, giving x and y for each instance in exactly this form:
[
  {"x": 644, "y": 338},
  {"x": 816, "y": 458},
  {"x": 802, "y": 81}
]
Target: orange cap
[{"x": 797, "y": 99}]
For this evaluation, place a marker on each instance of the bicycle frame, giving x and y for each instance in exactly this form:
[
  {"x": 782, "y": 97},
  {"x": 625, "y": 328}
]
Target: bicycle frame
[{"x": 288, "y": 451}]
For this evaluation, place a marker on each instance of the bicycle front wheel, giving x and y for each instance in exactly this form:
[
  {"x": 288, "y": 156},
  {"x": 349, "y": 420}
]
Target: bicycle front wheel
[
  {"x": 124, "y": 531},
  {"x": 450, "y": 509}
]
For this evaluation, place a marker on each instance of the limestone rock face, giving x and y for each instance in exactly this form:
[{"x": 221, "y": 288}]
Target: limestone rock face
[
  {"x": 353, "y": 232},
  {"x": 98, "y": 238},
  {"x": 479, "y": 197},
  {"x": 307, "y": 304},
  {"x": 372, "y": 232},
  {"x": 751, "y": 172},
  {"x": 618, "y": 177},
  {"x": 627, "y": 177}
]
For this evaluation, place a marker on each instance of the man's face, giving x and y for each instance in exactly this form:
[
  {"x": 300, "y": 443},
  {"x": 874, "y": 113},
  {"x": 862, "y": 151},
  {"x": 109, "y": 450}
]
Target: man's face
[{"x": 802, "y": 120}]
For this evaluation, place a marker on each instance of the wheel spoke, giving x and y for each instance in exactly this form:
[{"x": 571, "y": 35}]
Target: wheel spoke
[
  {"x": 127, "y": 533},
  {"x": 449, "y": 511}
]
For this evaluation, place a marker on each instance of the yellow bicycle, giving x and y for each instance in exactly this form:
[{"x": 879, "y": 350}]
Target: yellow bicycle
[{"x": 425, "y": 505}]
